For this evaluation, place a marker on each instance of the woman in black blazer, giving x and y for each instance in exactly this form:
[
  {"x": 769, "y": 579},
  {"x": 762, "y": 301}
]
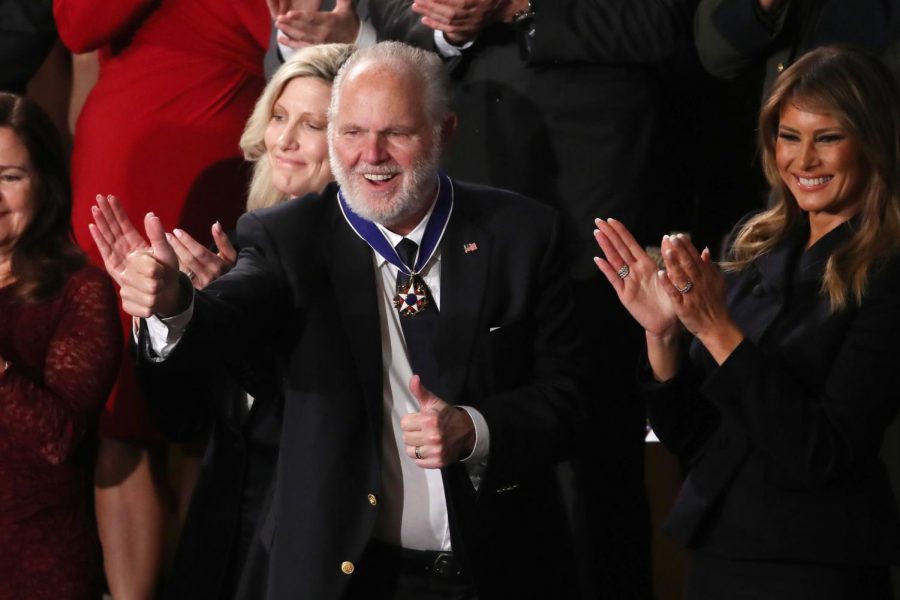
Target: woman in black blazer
[{"x": 778, "y": 401}]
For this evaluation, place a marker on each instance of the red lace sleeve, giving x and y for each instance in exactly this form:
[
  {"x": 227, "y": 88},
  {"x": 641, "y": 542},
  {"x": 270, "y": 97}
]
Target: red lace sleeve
[{"x": 50, "y": 414}]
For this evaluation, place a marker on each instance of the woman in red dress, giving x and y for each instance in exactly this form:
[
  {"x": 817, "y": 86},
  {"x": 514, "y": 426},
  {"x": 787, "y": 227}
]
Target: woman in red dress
[
  {"x": 59, "y": 351},
  {"x": 160, "y": 130}
]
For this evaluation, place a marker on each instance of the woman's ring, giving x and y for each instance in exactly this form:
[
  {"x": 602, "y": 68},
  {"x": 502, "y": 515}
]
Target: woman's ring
[
  {"x": 623, "y": 272},
  {"x": 688, "y": 286},
  {"x": 418, "y": 456},
  {"x": 190, "y": 274}
]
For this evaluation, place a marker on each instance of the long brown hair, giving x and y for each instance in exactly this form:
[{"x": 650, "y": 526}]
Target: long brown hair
[
  {"x": 860, "y": 93},
  {"x": 45, "y": 254}
]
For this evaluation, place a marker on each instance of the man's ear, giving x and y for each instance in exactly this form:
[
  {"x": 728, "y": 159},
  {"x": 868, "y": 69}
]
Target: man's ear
[{"x": 448, "y": 130}]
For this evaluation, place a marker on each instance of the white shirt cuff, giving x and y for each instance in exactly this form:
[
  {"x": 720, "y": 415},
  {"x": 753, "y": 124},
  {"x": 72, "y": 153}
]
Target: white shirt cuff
[
  {"x": 366, "y": 36},
  {"x": 482, "y": 445},
  {"x": 166, "y": 333},
  {"x": 286, "y": 52},
  {"x": 445, "y": 48}
]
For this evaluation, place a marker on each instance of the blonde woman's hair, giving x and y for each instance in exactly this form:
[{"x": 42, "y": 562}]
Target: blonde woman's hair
[
  {"x": 322, "y": 62},
  {"x": 859, "y": 92}
]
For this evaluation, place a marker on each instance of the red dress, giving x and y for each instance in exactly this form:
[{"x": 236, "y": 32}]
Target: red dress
[
  {"x": 160, "y": 130},
  {"x": 63, "y": 356}
]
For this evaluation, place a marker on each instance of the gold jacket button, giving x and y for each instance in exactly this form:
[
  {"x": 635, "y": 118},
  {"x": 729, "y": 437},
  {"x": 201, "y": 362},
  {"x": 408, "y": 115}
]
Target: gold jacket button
[
  {"x": 373, "y": 500},
  {"x": 347, "y": 567},
  {"x": 780, "y": 67}
]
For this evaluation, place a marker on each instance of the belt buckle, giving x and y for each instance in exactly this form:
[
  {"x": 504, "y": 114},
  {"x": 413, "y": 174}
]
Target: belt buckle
[{"x": 444, "y": 565}]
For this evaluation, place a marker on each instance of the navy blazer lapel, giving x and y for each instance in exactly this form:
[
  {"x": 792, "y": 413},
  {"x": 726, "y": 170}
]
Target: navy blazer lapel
[
  {"x": 356, "y": 299},
  {"x": 465, "y": 259}
]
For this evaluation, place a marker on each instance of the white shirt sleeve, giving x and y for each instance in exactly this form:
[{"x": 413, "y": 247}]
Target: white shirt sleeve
[
  {"x": 477, "y": 461},
  {"x": 166, "y": 333},
  {"x": 366, "y": 35},
  {"x": 445, "y": 48}
]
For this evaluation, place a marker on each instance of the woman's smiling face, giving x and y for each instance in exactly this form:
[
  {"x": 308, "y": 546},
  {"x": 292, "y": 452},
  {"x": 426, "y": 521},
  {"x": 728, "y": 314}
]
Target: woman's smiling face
[{"x": 818, "y": 160}]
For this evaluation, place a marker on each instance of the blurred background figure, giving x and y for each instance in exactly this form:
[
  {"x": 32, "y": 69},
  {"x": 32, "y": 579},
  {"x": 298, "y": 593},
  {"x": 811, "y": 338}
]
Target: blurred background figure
[
  {"x": 778, "y": 405},
  {"x": 240, "y": 413},
  {"x": 59, "y": 352},
  {"x": 27, "y": 34},
  {"x": 159, "y": 130},
  {"x": 735, "y": 36}
]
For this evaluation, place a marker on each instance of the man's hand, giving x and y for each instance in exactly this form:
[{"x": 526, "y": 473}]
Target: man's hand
[
  {"x": 459, "y": 20},
  {"x": 114, "y": 235},
  {"x": 768, "y": 6},
  {"x": 279, "y": 7},
  {"x": 299, "y": 28},
  {"x": 441, "y": 433},
  {"x": 150, "y": 278}
]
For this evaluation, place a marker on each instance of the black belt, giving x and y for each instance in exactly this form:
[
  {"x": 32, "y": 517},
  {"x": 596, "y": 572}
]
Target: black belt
[{"x": 424, "y": 563}]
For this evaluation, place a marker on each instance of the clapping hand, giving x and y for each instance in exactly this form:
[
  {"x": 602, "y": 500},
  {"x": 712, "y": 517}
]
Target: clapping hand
[
  {"x": 200, "y": 264},
  {"x": 280, "y": 7},
  {"x": 114, "y": 235},
  {"x": 636, "y": 278},
  {"x": 459, "y": 20},
  {"x": 697, "y": 295},
  {"x": 300, "y": 28}
]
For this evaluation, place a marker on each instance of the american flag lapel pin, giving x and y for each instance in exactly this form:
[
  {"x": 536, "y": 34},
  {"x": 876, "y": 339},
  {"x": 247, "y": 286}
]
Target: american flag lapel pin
[{"x": 470, "y": 247}]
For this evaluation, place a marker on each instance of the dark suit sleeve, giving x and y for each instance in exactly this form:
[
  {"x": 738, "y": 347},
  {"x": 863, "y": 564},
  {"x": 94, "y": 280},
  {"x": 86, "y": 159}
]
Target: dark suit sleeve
[
  {"x": 273, "y": 59},
  {"x": 537, "y": 424},
  {"x": 811, "y": 439},
  {"x": 732, "y": 34},
  {"x": 609, "y": 31},
  {"x": 235, "y": 316}
]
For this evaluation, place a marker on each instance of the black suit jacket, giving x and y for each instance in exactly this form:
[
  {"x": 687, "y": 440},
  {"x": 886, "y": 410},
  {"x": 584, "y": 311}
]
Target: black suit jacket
[
  {"x": 238, "y": 466},
  {"x": 304, "y": 286},
  {"x": 782, "y": 439},
  {"x": 571, "y": 116}
]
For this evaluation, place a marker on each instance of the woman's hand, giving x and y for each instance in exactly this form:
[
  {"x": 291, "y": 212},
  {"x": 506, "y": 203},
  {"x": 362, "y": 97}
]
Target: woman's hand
[
  {"x": 633, "y": 274},
  {"x": 114, "y": 235},
  {"x": 201, "y": 265},
  {"x": 697, "y": 293}
]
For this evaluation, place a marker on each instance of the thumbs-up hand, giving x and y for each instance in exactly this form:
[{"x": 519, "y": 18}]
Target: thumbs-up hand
[
  {"x": 439, "y": 434},
  {"x": 150, "y": 279}
]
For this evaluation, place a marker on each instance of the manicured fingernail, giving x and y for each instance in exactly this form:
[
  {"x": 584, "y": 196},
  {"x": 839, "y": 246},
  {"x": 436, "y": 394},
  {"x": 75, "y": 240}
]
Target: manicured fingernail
[
  {"x": 178, "y": 233},
  {"x": 168, "y": 236}
]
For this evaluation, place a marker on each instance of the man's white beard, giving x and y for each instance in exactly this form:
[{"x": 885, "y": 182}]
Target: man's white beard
[{"x": 411, "y": 197}]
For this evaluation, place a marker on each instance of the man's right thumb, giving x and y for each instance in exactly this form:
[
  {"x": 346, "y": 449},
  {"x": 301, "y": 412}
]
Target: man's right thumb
[{"x": 161, "y": 249}]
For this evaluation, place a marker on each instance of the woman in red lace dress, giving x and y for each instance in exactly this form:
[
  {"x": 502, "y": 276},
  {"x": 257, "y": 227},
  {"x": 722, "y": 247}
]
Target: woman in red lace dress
[
  {"x": 59, "y": 350},
  {"x": 159, "y": 130}
]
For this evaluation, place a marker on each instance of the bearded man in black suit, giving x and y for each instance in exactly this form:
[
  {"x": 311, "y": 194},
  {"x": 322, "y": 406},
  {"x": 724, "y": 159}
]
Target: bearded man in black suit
[{"x": 431, "y": 362}]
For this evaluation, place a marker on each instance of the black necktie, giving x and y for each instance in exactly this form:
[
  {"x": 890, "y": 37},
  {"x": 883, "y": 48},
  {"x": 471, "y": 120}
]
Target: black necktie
[{"x": 419, "y": 329}]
